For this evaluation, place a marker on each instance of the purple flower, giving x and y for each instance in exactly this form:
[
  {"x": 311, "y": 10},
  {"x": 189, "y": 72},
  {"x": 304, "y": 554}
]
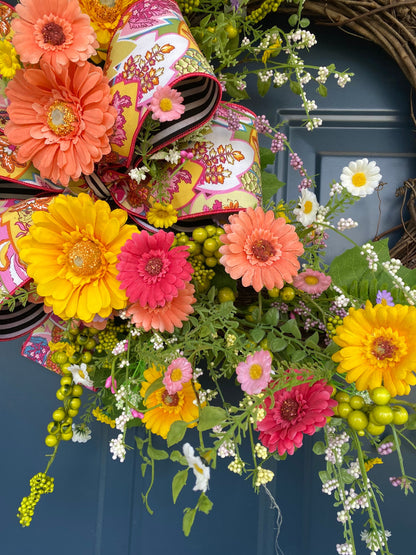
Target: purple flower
[{"x": 384, "y": 296}]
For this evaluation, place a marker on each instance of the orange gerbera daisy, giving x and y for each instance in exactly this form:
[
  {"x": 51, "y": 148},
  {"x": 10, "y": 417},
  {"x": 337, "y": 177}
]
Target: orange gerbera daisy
[
  {"x": 71, "y": 253},
  {"x": 61, "y": 122},
  {"x": 164, "y": 318},
  {"x": 163, "y": 408},
  {"x": 56, "y": 31},
  {"x": 261, "y": 249}
]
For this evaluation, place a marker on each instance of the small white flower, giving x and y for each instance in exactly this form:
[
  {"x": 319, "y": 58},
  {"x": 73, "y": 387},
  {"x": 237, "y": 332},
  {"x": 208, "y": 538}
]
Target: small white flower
[
  {"x": 80, "y": 375},
  {"x": 307, "y": 209},
  {"x": 361, "y": 177},
  {"x": 81, "y": 433},
  {"x": 201, "y": 471}
]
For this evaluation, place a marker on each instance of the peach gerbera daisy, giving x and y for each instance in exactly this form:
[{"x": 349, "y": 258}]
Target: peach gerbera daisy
[
  {"x": 71, "y": 253},
  {"x": 61, "y": 122},
  {"x": 164, "y": 408},
  {"x": 164, "y": 318},
  {"x": 260, "y": 249},
  {"x": 56, "y": 32}
]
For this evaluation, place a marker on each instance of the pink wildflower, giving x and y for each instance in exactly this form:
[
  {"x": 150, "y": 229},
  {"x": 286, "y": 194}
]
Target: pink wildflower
[
  {"x": 254, "y": 373},
  {"x": 178, "y": 372}
]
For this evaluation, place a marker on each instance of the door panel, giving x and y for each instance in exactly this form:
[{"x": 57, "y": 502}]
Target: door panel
[{"x": 96, "y": 508}]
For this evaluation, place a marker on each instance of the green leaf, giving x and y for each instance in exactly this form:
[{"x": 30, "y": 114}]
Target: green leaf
[
  {"x": 210, "y": 417},
  {"x": 257, "y": 334},
  {"x": 324, "y": 476},
  {"x": 176, "y": 432},
  {"x": 269, "y": 186},
  {"x": 411, "y": 423},
  {"x": 276, "y": 344},
  {"x": 304, "y": 22},
  {"x": 176, "y": 456},
  {"x": 188, "y": 520},
  {"x": 267, "y": 157},
  {"x": 319, "y": 448},
  {"x": 312, "y": 341},
  {"x": 179, "y": 480},
  {"x": 263, "y": 86},
  {"x": 272, "y": 317},
  {"x": 157, "y": 384},
  {"x": 234, "y": 92},
  {"x": 295, "y": 87},
  {"x": 204, "y": 504},
  {"x": 139, "y": 442},
  {"x": 293, "y": 19},
  {"x": 291, "y": 327},
  {"x": 322, "y": 90},
  {"x": 298, "y": 355},
  {"x": 347, "y": 478},
  {"x": 157, "y": 454}
]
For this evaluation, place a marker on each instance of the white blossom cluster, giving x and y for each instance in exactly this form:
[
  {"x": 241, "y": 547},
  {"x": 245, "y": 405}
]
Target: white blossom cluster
[
  {"x": 302, "y": 38},
  {"x": 279, "y": 79},
  {"x": 323, "y": 73},
  {"x": 138, "y": 174},
  {"x": 354, "y": 469},
  {"x": 344, "y": 549},
  {"x": 345, "y": 224},
  {"x": 263, "y": 476},
  {"x": 333, "y": 452},
  {"x": 392, "y": 267},
  {"x": 236, "y": 466},
  {"x": 371, "y": 256},
  {"x": 261, "y": 451},
  {"x": 313, "y": 124},
  {"x": 342, "y": 80},
  {"x": 336, "y": 189},
  {"x": 374, "y": 539},
  {"x": 117, "y": 448}
]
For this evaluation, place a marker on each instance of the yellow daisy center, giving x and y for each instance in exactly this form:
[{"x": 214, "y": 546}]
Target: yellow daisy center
[
  {"x": 170, "y": 400},
  {"x": 307, "y": 207},
  {"x": 61, "y": 118},
  {"x": 255, "y": 371},
  {"x": 198, "y": 469},
  {"x": 165, "y": 104},
  {"x": 385, "y": 347},
  {"x": 359, "y": 179},
  {"x": 6, "y": 60},
  {"x": 176, "y": 375},
  {"x": 84, "y": 258},
  {"x": 311, "y": 280}
]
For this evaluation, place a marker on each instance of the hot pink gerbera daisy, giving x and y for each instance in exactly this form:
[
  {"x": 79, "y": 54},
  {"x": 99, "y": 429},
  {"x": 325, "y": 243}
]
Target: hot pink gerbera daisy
[
  {"x": 151, "y": 271},
  {"x": 164, "y": 318},
  {"x": 166, "y": 104},
  {"x": 254, "y": 373},
  {"x": 312, "y": 282},
  {"x": 260, "y": 249},
  {"x": 294, "y": 413},
  {"x": 178, "y": 372},
  {"x": 56, "y": 31}
]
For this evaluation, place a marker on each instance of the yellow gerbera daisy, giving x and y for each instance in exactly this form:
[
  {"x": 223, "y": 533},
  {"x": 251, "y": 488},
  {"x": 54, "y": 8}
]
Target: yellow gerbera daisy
[
  {"x": 165, "y": 409},
  {"x": 162, "y": 215},
  {"x": 104, "y": 16},
  {"x": 377, "y": 347},
  {"x": 71, "y": 253},
  {"x": 9, "y": 62}
]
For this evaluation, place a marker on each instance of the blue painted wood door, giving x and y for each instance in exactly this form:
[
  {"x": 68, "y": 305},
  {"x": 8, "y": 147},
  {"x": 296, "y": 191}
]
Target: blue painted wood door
[{"x": 96, "y": 508}]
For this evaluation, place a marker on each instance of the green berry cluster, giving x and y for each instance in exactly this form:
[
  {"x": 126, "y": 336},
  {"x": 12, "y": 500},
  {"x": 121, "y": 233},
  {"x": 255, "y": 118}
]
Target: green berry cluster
[
  {"x": 204, "y": 253},
  {"x": 332, "y": 324},
  {"x": 265, "y": 8},
  {"x": 40, "y": 483},
  {"x": 110, "y": 336},
  {"x": 187, "y": 6}
]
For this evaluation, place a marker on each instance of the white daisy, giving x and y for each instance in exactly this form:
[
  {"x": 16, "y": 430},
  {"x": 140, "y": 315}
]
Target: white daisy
[
  {"x": 201, "y": 470},
  {"x": 80, "y": 375},
  {"x": 307, "y": 208},
  {"x": 81, "y": 433},
  {"x": 361, "y": 177}
]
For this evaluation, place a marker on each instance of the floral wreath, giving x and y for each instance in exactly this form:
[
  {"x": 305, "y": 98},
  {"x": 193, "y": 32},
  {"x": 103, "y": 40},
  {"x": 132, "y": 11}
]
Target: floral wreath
[{"x": 144, "y": 255}]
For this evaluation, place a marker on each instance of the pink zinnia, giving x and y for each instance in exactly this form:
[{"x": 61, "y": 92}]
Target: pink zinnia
[
  {"x": 151, "y": 271},
  {"x": 178, "y": 372},
  {"x": 166, "y": 104},
  {"x": 254, "y": 373},
  {"x": 294, "y": 413},
  {"x": 312, "y": 282}
]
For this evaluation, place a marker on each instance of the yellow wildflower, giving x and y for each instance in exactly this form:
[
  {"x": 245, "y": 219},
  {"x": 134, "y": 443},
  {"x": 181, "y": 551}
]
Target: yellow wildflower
[
  {"x": 102, "y": 417},
  {"x": 371, "y": 462},
  {"x": 9, "y": 62},
  {"x": 162, "y": 215}
]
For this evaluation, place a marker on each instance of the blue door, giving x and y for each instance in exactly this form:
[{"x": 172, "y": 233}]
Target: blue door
[{"x": 96, "y": 508}]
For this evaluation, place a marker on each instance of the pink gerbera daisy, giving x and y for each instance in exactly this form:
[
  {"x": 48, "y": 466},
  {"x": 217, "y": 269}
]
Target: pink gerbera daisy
[
  {"x": 254, "y": 373},
  {"x": 166, "y": 104},
  {"x": 56, "y": 31},
  {"x": 260, "y": 249},
  {"x": 294, "y": 413},
  {"x": 312, "y": 282},
  {"x": 150, "y": 270},
  {"x": 164, "y": 318},
  {"x": 178, "y": 372}
]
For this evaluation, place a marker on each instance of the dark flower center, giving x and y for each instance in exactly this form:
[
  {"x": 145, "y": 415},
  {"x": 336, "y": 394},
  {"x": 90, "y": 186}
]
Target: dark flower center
[
  {"x": 53, "y": 34},
  {"x": 383, "y": 348},
  {"x": 289, "y": 409},
  {"x": 154, "y": 266},
  {"x": 170, "y": 400},
  {"x": 263, "y": 250}
]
